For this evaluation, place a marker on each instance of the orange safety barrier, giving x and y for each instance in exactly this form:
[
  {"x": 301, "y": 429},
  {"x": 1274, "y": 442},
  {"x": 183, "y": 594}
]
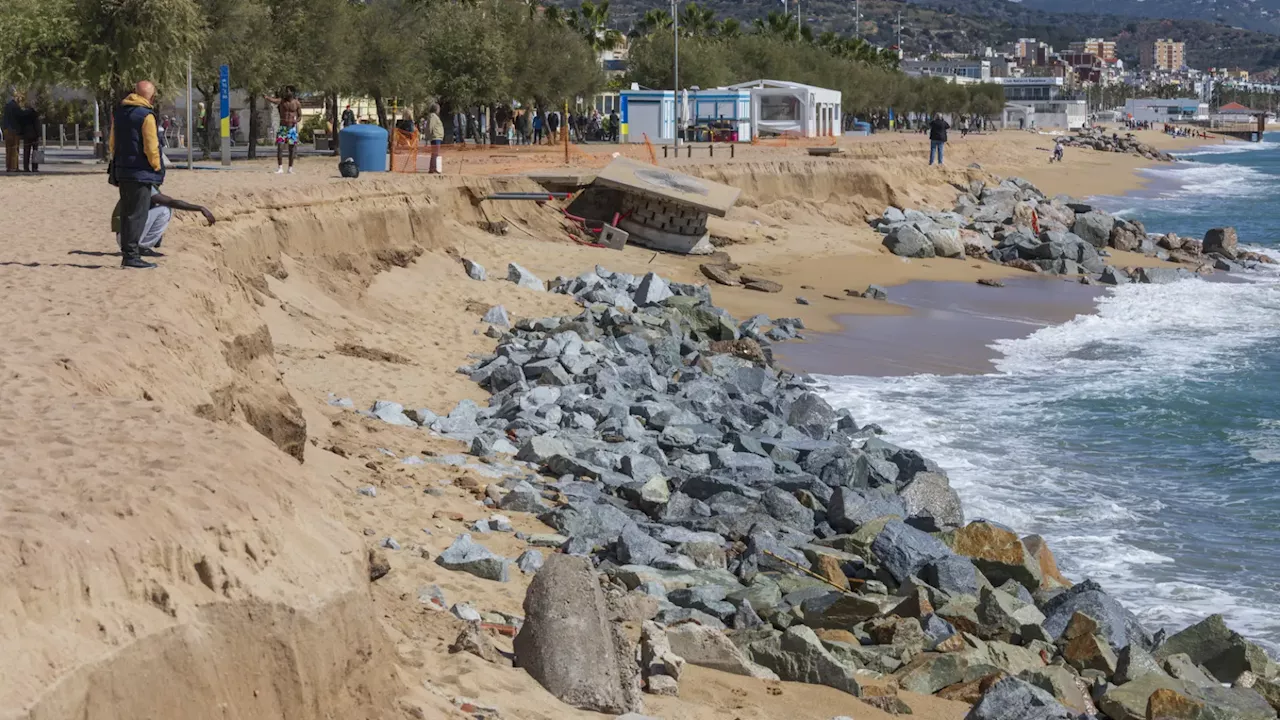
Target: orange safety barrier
[
  {"x": 653, "y": 156},
  {"x": 404, "y": 151}
]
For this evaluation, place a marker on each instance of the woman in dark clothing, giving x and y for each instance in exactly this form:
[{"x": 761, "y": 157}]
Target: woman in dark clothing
[{"x": 30, "y": 129}]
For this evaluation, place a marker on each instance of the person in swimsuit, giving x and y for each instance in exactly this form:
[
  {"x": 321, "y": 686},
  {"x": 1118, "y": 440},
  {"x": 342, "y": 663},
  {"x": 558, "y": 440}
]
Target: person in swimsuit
[{"x": 287, "y": 133}]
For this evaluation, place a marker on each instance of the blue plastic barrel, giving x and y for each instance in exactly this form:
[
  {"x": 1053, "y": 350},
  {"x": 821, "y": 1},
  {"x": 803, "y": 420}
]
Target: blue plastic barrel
[{"x": 367, "y": 144}]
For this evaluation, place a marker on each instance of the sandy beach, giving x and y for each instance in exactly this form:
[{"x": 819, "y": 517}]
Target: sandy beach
[{"x": 180, "y": 497}]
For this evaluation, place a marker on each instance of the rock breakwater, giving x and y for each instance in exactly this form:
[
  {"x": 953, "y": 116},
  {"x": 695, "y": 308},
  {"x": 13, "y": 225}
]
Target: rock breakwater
[
  {"x": 755, "y": 529},
  {"x": 1013, "y": 223}
]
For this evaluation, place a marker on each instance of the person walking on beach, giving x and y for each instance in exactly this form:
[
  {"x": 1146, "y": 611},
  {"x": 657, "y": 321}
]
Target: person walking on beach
[
  {"x": 287, "y": 133},
  {"x": 158, "y": 217},
  {"x": 11, "y": 126},
  {"x": 937, "y": 137},
  {"x": 537, "y": 128},
  {"x": 30, "y": 128},
  {"x": 435, "y": 135},
  {"x": 1059, "y": 148},
  {"x": 136, "y": 168}
]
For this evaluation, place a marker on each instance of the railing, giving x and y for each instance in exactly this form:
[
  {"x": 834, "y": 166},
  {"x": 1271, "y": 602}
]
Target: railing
[{"x": 69, "y": 135}]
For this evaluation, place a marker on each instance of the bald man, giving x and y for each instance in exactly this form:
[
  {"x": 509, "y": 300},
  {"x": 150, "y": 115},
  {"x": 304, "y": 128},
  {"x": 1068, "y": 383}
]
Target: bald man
[{"x": 136, "y": 167}]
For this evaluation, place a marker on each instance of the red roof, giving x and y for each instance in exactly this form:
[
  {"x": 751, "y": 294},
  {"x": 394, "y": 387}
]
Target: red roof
[{"x": 1234, "y": 108}]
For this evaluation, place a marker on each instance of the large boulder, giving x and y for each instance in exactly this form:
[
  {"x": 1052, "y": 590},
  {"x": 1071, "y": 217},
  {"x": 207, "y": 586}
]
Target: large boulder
[
  {"x": 1221, "y": 650},
  {"x": 708, "y": 647},
  {"x": 1002, "y": 616},
  {"x": 1043, "y": 556},
  {"x": 907, "y": 241},
  {"x": 1223, "y": 241},
  {"x": 812, "y": 415},
  {"x": 798, "y": 656},
  {"x": 903, "y": 550},
  {"x": 524, "y": 278},
  {"x": 1116, "y": 624},
  {"x": 1127, "y": 235},
  {"x": 850, "y": 509},
  {"x": 1065, "y": 686},
  {"x": 998, "y": 553},
  {"x": 1129, "y": 701},
  {"x": 1161, "y": 275},
  {"x": 1015, "y": 699},
  {"x": 568, "y": 644},
  {"x": 1095, "y": 227},
  {"x": 946, "y": 242},
  {"x": 932, "y": 505},
  {"x": 470, "y": 557}
]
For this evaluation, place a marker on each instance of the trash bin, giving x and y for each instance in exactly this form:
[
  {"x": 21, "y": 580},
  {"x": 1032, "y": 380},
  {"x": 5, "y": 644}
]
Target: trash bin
[{"x": 366, "y": 144}]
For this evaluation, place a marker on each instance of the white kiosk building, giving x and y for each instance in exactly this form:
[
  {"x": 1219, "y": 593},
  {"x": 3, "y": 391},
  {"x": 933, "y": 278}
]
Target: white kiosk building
[{"x": 794, "y": 109}]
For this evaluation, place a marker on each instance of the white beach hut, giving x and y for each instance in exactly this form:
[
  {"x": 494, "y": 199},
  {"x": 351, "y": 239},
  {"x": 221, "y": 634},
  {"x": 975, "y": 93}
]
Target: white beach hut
[{"x": 789, "y": 108}]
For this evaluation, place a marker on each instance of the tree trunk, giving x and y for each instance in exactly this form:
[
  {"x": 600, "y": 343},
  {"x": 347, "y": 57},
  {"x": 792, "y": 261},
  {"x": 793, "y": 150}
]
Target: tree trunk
[
  {"x": 253, "y": 125},
  {"x": 381, "y": 106},
  {"x": 337, "y": 122}
]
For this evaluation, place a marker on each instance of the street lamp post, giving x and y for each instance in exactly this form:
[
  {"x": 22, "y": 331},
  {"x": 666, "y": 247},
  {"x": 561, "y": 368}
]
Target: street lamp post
[{"x": 675, "y": 24}]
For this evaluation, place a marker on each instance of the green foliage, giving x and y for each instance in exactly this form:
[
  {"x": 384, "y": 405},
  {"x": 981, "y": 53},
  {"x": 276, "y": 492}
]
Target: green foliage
[
  {"x": 105, "y": 45},
  {"x": 37, "y": 35}
]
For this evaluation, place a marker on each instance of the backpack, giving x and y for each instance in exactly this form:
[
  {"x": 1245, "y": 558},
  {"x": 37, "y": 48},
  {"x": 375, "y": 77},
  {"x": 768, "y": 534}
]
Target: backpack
[{"x": 348, "y": 168}]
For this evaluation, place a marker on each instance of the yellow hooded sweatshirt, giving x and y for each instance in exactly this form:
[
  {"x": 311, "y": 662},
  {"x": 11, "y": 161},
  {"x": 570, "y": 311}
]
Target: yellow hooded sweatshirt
[{"x": 150, "y": 136}]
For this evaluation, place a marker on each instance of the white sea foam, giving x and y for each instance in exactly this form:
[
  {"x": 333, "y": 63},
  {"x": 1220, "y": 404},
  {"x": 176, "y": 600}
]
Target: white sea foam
[
  {"x": 1203, "y": 180},
  {"x": 1001, "y": 436},
  {"x": 1231, "y": 148}
]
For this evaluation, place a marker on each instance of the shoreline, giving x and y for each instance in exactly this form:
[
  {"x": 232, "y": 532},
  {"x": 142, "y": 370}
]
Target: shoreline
[
  {"x": 946, "y": 325},
  {"x": 946, "y": 328}
]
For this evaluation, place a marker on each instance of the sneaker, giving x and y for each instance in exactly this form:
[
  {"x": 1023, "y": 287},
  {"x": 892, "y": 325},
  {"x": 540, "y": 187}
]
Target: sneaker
[
  {"x": 279, "y": 170},
  {"x": 290, "y": 170},
  {"x": 148, "y": 252},
  {"x": 137, "y": 263}
]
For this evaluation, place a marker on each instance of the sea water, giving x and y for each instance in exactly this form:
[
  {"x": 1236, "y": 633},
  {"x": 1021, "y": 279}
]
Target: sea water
[{"x": 1143, "y": 441}]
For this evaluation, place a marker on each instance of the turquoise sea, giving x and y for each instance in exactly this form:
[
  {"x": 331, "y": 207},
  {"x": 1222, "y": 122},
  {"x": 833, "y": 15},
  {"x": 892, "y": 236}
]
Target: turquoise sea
[{"x": 1142, "y": 440}]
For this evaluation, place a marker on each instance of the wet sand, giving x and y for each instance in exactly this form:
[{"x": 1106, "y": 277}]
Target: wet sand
[{"x": 949, "y": 328}]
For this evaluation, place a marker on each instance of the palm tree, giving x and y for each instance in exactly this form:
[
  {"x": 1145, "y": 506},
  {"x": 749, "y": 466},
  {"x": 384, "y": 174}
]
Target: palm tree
[
  {"x": 779, "y": 25},
  {"x": 729, "y": 28},
  {"x": 592, "y": 21},
  {"x": 697, "y": 21},
  {"x": 653, "y": 21}
]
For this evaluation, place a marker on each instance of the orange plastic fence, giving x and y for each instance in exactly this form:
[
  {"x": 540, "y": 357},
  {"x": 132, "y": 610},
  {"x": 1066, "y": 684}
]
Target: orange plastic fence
[{"x": 404, "y": 151}]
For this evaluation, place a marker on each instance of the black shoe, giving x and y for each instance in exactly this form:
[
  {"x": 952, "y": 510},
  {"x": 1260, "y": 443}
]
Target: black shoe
[
  {"x": 137, "y": 263},
  {"x": 148, "y": 252}
]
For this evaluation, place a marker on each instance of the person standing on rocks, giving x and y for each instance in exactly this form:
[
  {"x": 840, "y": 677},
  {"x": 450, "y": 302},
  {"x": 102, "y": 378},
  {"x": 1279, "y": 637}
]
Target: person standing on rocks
[
  {"x": 287, "y": 133},
  {"x": 937, "y": 137}
]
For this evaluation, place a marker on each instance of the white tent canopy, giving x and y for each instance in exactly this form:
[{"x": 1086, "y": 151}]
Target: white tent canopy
[{"x": 789, "y": 108}]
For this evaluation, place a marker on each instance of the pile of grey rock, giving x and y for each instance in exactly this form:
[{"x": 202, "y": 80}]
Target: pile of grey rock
[
  {"x": 1015, "y": 224},
  {"x": 1114, "y": 142},
  {"x": 767, "y": 534}
]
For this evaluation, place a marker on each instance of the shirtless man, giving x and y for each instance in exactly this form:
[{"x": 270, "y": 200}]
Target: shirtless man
[{"x": 287, "y": 134}]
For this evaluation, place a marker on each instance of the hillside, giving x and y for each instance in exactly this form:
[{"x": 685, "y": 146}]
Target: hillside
[
  {"x": 1260, "y": 15},
  {"x": 971, "y": 25}
]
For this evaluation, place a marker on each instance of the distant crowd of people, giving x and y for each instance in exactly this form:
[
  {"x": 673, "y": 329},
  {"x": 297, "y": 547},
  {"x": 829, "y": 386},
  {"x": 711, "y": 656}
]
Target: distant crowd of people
[{"x": 20, "y": 125}]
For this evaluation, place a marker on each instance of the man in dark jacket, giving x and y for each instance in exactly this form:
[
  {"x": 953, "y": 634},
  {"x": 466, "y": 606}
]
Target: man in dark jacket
[
  {"x": 937, "y": 137},
  {"x": 11, "y": 126},
  {"x": 30, "y": 138},
  {"x": 137, "y": 168}
]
